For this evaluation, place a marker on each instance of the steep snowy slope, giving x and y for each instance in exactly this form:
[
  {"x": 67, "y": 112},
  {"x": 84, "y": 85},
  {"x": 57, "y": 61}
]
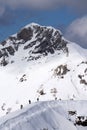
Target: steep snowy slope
[
  {"x": 38, "y": 63},
  {"x": 59, "y": 115}
]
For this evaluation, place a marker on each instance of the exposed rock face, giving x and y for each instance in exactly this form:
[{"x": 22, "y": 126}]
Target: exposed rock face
[
  {"x": 10, "y": 50},
  {"x": 4, "y": 53},
  {"x": 23, "y": 78},
  {"x": 43, "y": 40},
  {"x": 82, "y": 77},
  {"x": 49, "y": 41},
  {"x": 72, "y": 113},
  {"x": 25, "y": 34},
  {"x": 61, "y": 70},
  {"x": 4, "y": 62},
  {"x": 83, "y": 81},
  {"x": 81, "y": 120}
]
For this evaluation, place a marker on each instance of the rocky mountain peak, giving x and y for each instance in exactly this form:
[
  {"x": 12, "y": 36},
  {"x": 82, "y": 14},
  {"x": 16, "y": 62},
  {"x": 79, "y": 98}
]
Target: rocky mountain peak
[{"x": 36, "y": 39}]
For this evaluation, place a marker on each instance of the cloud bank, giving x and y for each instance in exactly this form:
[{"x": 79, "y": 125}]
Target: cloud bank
[
  {"x": 80, "y": 5},
  {"x": 77, "y": 31},
  {"x": 2, "y": 10}
]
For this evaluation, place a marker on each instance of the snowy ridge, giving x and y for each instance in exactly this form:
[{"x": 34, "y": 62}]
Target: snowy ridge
[{"x": 46, "y": 115}]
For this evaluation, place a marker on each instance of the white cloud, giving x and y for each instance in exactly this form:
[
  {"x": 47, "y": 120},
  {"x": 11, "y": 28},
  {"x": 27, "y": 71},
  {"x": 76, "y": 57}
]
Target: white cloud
[{"x": 77, "y": 31}]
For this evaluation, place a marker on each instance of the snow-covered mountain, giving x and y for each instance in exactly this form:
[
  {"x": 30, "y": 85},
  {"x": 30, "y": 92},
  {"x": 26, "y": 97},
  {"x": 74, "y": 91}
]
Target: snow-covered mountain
[
  {"x": 38, "y": 63},
  {"x": 52, "y": 115}
]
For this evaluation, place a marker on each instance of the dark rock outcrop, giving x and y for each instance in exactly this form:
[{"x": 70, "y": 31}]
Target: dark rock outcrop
[
  {"x": 72, "y": 113},
  {"x": 4, "y": 62},
  {"x": 83, "y": 81},
  {"x": 61, "y": 70},
  {"x": 25, "y": 34},
  {"x": 81, "y": 120}
]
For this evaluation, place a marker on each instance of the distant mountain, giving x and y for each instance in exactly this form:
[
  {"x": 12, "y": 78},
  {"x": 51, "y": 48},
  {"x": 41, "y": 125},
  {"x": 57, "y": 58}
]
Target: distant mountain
[{"x": 38, "y": 63}]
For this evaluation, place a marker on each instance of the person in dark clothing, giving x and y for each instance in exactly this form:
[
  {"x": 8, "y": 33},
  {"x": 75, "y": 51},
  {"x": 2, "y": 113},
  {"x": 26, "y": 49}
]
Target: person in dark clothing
[
  {"x": 55, "y": 98},
  {"x": 37, "y": 99},
  {"x": 29, "y": 101},
  {"x": 21, "y": 106}
]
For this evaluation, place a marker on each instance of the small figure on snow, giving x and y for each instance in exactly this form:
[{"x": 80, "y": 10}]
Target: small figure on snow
[
  {"x": 29, "y": 101},
  {"x": 21, "y": 106},
  {"x": 37, "y": 99}
]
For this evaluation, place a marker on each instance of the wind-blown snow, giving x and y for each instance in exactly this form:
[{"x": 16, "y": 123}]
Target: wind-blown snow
[{"x": 45, "y": 116}]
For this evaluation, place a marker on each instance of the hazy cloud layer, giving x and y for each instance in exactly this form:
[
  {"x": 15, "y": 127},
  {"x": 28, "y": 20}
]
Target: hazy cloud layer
[
  {"x": 2, "y": 10},
  {"x": 77, "y": 31},
  {"x": 79, "y": 5}
]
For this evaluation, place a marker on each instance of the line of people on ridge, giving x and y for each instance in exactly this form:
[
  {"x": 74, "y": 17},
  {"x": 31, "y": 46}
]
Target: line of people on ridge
[{"x": 21, "y": 106}]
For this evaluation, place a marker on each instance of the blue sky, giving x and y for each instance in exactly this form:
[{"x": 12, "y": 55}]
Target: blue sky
[{"x": 61, "y": 14}]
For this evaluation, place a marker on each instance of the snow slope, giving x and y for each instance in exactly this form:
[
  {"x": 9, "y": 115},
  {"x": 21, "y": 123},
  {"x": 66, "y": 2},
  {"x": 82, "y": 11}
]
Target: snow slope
[
  {"x": 45, "y": 116},
  {"x": 41, "y": 64}
]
